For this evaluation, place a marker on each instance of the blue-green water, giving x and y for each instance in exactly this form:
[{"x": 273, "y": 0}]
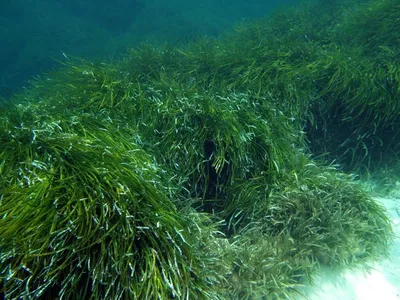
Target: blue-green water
[{"x": 34, "y": 33}]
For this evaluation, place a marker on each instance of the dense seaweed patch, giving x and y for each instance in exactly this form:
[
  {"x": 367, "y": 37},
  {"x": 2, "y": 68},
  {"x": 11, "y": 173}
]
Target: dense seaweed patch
[{"x": 179, "y": 173}]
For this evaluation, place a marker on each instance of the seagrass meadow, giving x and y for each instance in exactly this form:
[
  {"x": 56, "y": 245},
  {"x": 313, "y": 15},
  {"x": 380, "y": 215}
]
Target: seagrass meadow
[{"x": 196, "y": 172}]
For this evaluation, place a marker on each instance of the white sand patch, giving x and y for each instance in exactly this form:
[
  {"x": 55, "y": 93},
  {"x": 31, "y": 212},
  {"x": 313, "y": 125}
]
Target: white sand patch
[{"x": 382, "y": 282}]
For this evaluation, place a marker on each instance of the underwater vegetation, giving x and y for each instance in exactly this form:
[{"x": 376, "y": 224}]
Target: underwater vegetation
[{"x": 188, "y": 172}]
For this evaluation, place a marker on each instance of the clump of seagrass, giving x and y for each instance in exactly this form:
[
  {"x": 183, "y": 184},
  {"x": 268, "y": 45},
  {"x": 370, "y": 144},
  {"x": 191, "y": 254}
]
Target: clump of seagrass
[
  {"x": 327, "y": 214},
  {"x": 315, "y": 215},
  {"x": 224, "y": 148},
  {"x": 84, "y": 214},
  {"x": 258, "y": 265},
  {"x": 333, "y": 68},
  {"x": 219, "y": 147}
]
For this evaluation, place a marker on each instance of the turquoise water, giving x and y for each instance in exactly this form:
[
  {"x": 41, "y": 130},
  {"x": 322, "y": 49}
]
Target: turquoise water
[{"x": 34, "y": 33}]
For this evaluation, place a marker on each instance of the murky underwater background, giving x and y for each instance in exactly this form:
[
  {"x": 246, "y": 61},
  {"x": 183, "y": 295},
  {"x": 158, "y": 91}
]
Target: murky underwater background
[{"x": 34, "y": 33}]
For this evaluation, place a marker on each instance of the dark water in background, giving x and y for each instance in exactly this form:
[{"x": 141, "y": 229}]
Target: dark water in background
[{"x": 33, "y": 32}]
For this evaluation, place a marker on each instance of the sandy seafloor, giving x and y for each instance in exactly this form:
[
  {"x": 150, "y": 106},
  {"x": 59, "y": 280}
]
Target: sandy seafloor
[{"x": 382, "y": 282}]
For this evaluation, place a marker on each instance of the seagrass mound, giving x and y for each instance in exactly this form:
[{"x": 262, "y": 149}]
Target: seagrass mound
[
  {"x": 98, "y": 200},
  {"x": 88, "y": 216}
]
